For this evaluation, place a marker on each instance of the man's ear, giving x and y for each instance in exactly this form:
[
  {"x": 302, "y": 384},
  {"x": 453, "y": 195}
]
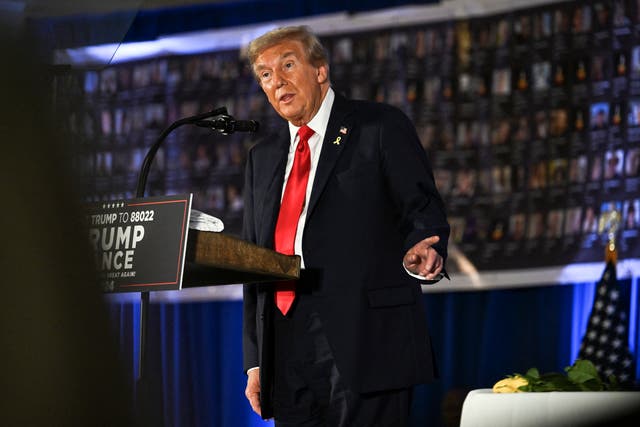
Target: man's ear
[{"x": 323, "y": 73}]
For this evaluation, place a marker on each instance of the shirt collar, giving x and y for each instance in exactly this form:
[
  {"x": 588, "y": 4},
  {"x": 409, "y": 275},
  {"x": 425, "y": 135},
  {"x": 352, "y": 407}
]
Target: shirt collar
[{"x": 320, "y": 121}]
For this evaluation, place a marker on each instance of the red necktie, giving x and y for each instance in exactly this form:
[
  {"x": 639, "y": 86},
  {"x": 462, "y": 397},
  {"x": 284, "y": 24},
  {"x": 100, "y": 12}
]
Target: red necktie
[{"x": 290, "y": 210}]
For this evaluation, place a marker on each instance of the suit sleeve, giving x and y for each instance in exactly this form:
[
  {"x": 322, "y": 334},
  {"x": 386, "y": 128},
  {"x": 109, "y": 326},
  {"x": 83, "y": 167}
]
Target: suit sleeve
[
  {"x": 249, "y": 337},
  {"x": 411, "y": 183}
]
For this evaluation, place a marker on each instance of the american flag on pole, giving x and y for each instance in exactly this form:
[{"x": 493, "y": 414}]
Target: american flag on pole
[{"x": 605, "y": 343}]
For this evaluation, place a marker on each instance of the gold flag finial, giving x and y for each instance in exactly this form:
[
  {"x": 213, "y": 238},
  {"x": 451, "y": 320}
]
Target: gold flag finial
[{"x": 609, "y": 223}]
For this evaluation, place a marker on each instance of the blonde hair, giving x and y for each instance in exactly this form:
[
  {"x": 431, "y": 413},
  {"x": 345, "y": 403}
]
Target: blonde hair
[{"x": 315, "y": 52}]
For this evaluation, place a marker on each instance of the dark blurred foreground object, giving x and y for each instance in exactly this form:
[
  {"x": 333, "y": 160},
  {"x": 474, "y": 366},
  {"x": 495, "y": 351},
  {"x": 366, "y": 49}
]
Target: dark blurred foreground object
[{"x": 59, "y": 361}]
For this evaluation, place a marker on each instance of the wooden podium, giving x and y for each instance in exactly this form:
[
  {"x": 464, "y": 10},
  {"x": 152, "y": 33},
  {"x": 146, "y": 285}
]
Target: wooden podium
[
  {"x": 214, "y": 258},
  {"x": 220, "y": 259}
]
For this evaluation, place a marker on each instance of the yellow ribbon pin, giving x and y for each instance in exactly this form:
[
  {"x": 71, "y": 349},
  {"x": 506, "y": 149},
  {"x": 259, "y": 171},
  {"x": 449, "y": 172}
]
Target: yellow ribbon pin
[{"x": 337, "y": 141}]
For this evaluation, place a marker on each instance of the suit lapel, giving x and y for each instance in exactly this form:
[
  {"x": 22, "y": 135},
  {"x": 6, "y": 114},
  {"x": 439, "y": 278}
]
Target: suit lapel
[
  {"x": 271, "y": 199},
  {"x": 339, "y": 129}
]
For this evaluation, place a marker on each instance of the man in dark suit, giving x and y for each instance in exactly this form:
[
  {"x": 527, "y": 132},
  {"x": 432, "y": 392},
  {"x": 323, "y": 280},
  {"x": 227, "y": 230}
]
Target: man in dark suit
[{"x": 348, "y": 187}]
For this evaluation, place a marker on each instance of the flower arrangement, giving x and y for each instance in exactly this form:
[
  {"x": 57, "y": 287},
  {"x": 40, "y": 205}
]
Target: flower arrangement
[{"x": 581, "y": 376}]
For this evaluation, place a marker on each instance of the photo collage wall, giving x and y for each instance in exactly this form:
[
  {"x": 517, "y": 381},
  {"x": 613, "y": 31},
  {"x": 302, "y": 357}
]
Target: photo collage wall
[{"x": 531, "y": 120}]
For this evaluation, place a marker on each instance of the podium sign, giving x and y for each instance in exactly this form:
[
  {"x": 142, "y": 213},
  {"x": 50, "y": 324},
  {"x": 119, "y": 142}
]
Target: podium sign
[{"x": 140, "y": 244}]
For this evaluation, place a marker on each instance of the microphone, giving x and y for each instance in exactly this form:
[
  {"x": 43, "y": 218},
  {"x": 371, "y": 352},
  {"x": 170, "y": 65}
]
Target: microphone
[
  {"x": 227, "y": 124},
  {"x": 246, "y": 126},
  {"x": 217, "y": 119}
]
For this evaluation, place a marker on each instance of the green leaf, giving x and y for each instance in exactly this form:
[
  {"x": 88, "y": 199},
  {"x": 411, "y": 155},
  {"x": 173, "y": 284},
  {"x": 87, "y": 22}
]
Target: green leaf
[
  {"x": 613, "y": 385},
  {"x": 583, "y": 371},
  {"x": 592, "y": 385},
  {"x": 584, "y": 366},
  {"x": 578, "y": 377},
  {"x": 558, "y": 382},
  {"x": 544, "y": 386},
  {"x": 532, "y": 373}
]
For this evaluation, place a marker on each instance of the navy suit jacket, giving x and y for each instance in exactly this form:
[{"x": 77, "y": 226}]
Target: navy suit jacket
[{"x": 373, "y": 198}]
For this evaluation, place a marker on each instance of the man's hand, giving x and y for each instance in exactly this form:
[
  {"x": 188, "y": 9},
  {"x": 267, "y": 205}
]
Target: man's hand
[
  {"x": 252, "y": 392},
  {"x": 423, "y": 260}
]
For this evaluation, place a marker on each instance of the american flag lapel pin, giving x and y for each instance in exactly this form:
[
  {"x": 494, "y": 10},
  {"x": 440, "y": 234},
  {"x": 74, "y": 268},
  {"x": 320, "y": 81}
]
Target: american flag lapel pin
[{"x": 343, "y": 131}]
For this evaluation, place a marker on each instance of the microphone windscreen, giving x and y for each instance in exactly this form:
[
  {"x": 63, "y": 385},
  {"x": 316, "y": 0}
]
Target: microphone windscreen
[{"x": 246, "y": 126}]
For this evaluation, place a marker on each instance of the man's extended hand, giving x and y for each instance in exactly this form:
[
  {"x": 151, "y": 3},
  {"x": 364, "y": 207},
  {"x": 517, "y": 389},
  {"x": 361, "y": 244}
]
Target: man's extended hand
[
  {"x": 422, "y": 259},
  {"x": 252, "y": 392}
]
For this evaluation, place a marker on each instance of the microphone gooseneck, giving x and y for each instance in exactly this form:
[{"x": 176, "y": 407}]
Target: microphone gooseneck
[
  {"x": 226, "y": 124},
  {"x": 217, "y": 119}
]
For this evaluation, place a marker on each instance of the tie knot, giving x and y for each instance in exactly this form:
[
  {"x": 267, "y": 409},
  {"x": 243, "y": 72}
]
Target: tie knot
[{"x": 305, "y": 133}]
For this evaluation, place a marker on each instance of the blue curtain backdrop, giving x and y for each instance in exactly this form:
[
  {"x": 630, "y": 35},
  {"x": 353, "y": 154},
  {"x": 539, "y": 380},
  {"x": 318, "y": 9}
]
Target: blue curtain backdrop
[{"x": 195, "y": 349}]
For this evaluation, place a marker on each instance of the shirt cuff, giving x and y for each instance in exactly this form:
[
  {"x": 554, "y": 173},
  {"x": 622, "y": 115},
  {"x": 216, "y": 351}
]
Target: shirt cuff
[
  {"x": 423, "y": 278},
  {"x": 252, "y": 369}
]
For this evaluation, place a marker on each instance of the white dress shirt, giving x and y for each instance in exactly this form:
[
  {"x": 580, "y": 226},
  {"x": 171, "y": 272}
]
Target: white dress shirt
[{"x": 319, "y": 125}]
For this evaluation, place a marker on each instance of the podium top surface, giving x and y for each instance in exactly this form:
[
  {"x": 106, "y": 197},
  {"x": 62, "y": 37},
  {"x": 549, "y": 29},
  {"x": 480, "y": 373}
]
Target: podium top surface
[{"x": 220, "y": 259}]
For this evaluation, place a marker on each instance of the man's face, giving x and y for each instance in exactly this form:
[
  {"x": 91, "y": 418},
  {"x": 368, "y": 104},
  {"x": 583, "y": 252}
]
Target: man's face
[{"x": 295, "y": 88}]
